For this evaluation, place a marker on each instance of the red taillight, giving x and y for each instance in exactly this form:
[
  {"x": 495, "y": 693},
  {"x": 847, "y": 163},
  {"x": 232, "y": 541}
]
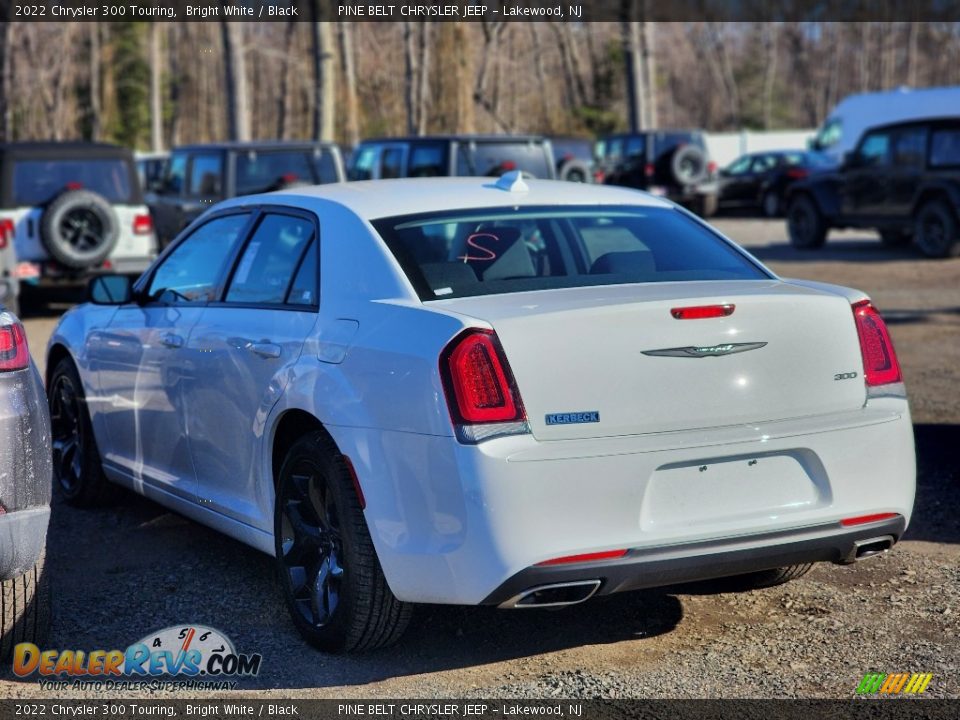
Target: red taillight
[
  {"x": 6, "y": 232},
  {"x": 480, "y": 387},
  {"x": 508, "y": 165},
  {"x": 649, "y": 170},
  {"x": 711, "y": 167},
  {"x": 700, "y": 312},
  {"x": 74, "y": 185},
  {"x": 880, "y": 364},
  {"x": 864, "y": 519},
  {"x": 142, "y": 225},
  {"x": 598, "y": 177},
  {"x": 797, "y": 173},
  {"x": 14, "y": 354},
  {"x": 586, "y": 557}
]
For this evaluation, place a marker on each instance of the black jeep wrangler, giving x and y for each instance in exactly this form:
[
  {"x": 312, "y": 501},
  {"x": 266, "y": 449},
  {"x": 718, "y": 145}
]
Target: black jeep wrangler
[
  {"x": 902, "y": 180},
  {"x": 674, "y": 164}
]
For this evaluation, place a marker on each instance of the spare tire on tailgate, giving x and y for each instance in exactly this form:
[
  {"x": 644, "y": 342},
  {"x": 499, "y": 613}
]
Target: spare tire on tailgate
[
  {"x": 79, "y": 229},
  {"x": 688, "y": 165}
]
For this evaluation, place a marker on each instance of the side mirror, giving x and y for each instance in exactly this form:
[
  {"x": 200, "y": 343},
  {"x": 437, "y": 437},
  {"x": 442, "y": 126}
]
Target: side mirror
[{"x": 110, "y": 290}]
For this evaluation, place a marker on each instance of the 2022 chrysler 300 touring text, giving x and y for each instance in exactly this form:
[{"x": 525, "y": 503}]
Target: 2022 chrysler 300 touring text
[{"x": 479, "y": 391}]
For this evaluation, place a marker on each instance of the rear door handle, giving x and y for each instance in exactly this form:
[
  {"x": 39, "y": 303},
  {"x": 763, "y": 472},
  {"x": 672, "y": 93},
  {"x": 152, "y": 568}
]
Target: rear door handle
[
  {"x": 265, "y": 349},
  {"x": 171, "y": 340}
]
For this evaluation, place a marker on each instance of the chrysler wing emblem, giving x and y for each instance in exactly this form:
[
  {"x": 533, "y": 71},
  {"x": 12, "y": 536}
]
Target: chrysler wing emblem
[{"x": 694, "y": 351}]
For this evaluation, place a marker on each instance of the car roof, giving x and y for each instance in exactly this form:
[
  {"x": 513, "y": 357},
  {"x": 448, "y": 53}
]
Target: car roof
[
  {"x": 446, "y": 138},
  {"x": 256, "y": 145},
  {"x": 67, "y": 149},
  {"x": 372, "y": 199}
]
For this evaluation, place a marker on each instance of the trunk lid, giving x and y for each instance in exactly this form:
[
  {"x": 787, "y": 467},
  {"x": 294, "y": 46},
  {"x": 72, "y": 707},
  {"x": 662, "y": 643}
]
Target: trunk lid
[{"x": 578, "y": 355}]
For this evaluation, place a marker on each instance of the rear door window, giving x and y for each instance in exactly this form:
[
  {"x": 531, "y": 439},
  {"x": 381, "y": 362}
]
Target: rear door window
[
  {"x": 364, "y": 160},
  {"x": 945, "y": 148},
  {"x": 38, "y": 181},
  {"x": 270, "y": 260},
  {"x": 910, "y": 147},
  {"x": 428, "y": 160},
  {"x": 391, "y": 162},
  {"x": 206, "y": 175},
  {"x": 459, "y": 254},
  {"x": 264, "y": 171},
  {"x": 495, "y": 158}
]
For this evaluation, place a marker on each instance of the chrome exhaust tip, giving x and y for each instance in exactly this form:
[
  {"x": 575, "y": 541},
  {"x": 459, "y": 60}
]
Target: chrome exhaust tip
[
  {"x": 870, "y": 547},
  {"x": 556, "y": 595}
]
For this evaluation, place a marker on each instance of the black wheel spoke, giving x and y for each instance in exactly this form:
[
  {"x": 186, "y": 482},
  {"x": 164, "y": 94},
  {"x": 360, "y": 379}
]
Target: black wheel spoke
[{"x": 309, "y": 546}]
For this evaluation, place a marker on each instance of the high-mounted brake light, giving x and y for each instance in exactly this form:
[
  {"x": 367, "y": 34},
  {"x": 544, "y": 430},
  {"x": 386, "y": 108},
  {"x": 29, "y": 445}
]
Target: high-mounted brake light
[
  {"x": 14, "y": 354},
  {"x": 142, "y": 225},
  {"x": 880, "y": 364},
  {"x": 480, "y": 387},
  {"x": 6, "y": 232},
  {"x": 700, "y": 312}
]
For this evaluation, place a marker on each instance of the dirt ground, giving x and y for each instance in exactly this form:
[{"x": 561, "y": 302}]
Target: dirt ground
[{"x": 126, "y": 570}]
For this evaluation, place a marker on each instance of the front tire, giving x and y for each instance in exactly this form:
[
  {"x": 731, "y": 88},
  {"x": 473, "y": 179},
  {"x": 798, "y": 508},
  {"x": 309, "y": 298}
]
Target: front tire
[
  {"x": 936, "y": 231},
  {"x": 24, "y": 609},
  {"x": 76, "y": 460},
  {"x": 329, "y": 573},
  {"x": 806, "y": 225}
]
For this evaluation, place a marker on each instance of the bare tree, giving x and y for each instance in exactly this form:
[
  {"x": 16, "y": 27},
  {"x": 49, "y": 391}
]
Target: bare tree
[
  {"x": 649, "y": 59},
  {"x": 283, "y": 88},
  {"x": 423, "y": 86},
  {"x": 409, "y": 77},
  {"x": 770, "y": 36},
  {"x": 235, "y": 70},
  {"x": 6, "y": 113},
  {"x": 349, "y": 81},
  {"x": 156, "y": 98},
  {"x": 323, "y": 80},
  {"x": 491, "y": 42},
  {"x": 541, "y": 76},
  {"x": 630, "y": 39}
]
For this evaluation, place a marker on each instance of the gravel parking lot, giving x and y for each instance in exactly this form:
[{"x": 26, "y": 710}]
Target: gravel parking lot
[{"x": 126, "y": 570}]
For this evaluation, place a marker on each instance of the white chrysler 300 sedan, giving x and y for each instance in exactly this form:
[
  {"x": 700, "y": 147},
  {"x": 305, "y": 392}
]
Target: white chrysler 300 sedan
[{"x": 484, "y": 391}]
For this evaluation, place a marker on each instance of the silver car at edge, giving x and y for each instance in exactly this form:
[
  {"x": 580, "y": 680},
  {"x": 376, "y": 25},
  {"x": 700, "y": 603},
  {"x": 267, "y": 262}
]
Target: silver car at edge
[{"x": 25, "y": 484}]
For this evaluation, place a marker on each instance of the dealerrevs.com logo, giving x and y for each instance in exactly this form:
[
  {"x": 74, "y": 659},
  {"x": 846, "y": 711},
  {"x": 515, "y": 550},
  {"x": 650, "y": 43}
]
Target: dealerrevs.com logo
[
  {"x": 194, "y": 655},
  {"x": 894, "y": 683}
]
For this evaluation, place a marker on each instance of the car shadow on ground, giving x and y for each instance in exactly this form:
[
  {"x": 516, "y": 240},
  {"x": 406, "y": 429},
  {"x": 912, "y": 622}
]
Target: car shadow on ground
[
  {"x": 846, "y": 250},
  {"x": 935, "y": 516},
  {"x": 127, "y": 570}
]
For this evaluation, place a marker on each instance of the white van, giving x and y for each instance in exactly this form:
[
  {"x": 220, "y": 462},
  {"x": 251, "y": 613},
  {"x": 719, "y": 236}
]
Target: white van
[{"x": 855, "y": 113}]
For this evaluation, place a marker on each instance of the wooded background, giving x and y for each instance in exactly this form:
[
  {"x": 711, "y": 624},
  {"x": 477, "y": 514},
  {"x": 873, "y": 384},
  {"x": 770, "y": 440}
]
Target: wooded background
[{"x": 153, "y": 85}]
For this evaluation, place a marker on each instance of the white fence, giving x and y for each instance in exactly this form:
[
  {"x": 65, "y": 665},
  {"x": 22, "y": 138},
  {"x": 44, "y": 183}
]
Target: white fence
[{"x": 724, "y": 148}]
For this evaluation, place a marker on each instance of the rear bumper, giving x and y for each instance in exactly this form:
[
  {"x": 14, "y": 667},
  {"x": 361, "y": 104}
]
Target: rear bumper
[
  {"x": 670, "y": 565},
  {"x": 22, "y": 537},
  {"x": 458, "y": 524}
]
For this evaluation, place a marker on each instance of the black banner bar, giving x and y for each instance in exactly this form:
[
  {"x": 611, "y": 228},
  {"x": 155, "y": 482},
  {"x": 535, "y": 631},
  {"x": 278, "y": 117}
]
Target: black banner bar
[
  {"x": 892, "y": 708},
  {"x": 479, "y": 10}
]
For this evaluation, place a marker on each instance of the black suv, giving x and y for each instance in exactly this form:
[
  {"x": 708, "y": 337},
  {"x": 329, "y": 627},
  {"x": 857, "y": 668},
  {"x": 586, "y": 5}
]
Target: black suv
[
  {"x": 902, "y": 180},
  {"x": 198, "y": 176},
  {"x": 671, "y": 163},
  {"x": 452, "y": 155}
]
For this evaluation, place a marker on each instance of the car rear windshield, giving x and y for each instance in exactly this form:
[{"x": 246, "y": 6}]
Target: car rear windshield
[
  {"x": 263, "y": 171},
  {"x": 38, "y": 181},
  {"x": 496, "y": 158},
  {"x": 504, "y": 250}
]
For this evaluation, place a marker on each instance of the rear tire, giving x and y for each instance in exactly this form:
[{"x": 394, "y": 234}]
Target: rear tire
[
  {"x": 328, "y": 569},
  {"x": 806, "y": 225},
  {"x": 24, "y": 609},
  {"x": 77, "y": 469},
  {"x": 936, "y": 231}
]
